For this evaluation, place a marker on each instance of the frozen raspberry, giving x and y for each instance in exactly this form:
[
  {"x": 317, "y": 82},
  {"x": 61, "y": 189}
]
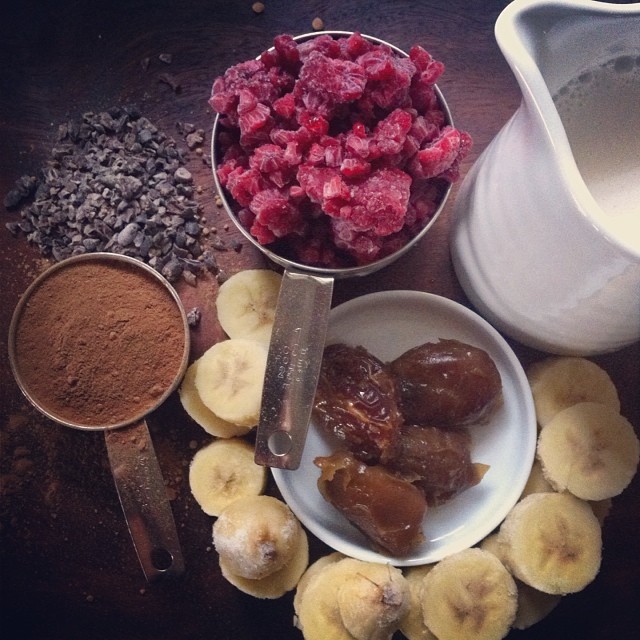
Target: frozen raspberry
[
  {"x": 287, "y": 49},
  {"x": 390, "y": 134},
  {"x": 274, "y": 211},
  {"x": 285, "y": 107},
  {"x": 337, "y": 81},
  {"x": 438, "y": 156},
  {"x": 430, "y": 69},
  {"x": 389, "y": 79},
  {"x": 336, "y": 151},
  {"x": 243, "y": 184},
  {"x": 379, "y": 203},
  {"x": 363, "y": 247},
  {"x": 269, "y": 160},
  {"x": 355, "y": 45},
  {"x": 423, "y": 203},
  {"x": 354, "y": 168},
  {"x": 324, "y": 44}
]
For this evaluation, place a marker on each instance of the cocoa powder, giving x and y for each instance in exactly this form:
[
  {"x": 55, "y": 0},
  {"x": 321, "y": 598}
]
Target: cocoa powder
[{"x": 99, "y": 342}]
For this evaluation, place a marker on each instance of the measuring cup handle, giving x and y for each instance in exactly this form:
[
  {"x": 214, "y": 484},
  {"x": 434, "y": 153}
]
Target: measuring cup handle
[
  {"x": 293, "y": 367},
  {"x": 143, "y": 497}
]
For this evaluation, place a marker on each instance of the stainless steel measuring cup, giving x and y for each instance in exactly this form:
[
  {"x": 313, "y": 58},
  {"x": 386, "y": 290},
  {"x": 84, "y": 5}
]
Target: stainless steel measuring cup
[
  {"x": 300, "y": 327},
  {"x": 132, "y": 459}
]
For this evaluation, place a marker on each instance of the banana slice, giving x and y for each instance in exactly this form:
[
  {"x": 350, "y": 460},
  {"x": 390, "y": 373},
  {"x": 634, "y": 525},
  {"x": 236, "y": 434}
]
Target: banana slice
[
  {"x": 200, "y": 413},
  {"x": 469, "y": 594},
  {"x": 533, "y": 606},
  {"x": 494, "y": 544},
  {"x": 276, "y": 584},
  {"x": 229, "y": 380},
  {"x": 225, "y": 471},
  {"x": 311, "y": 571},
  {"x": 348, "y": 598},
  {"x": 256, "y": 536},
  {"x": 536, "y": 482},
  {"x": 246, "y": 304},
  {"x": 373, "y": 600},
  {"x": 318, "y": 616},
  {"x": 590, "y": 450},
  {"x": 559, "y": 382},
  {"x": 412, "y": 625},
  {"x": 553, "y": 542}
]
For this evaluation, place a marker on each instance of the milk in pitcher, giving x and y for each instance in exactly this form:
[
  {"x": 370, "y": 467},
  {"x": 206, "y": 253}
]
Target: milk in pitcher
[{"x": 600, "y": 111}]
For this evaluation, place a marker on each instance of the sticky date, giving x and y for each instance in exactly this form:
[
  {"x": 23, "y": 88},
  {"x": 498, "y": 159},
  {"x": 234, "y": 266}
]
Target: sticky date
[
  {"x": 387, "y": 509},
  {"x": 447, "y": 383},
  {"x": 357, "y": 401},
  {"x": 437, "y": 461}
]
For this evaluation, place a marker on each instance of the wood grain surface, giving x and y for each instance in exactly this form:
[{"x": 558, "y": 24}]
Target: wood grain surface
[{"x": 68, "y": 568}]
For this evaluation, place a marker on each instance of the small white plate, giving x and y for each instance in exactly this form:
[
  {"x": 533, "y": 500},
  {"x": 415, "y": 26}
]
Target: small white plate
[{"x": 387, "y": 324}]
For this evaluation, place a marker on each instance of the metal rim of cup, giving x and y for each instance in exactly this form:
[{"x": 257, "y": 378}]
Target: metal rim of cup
[
  {"x": 108, "y": 257},
  {"x": 337, "y": 273}
]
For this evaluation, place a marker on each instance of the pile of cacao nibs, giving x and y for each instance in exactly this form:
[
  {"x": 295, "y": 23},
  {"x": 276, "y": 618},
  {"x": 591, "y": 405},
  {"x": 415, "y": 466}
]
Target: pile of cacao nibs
[{"x": 116, "y": 183}]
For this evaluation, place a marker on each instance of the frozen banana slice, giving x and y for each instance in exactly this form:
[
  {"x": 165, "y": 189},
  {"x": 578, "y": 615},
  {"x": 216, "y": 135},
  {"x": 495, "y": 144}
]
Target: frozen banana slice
[
  {"x": 373, "y": 600},
  {"x": 317, "y": 613},
  {"x": 246, "y": 304},
  {"x": 350, "y": 599},
  {"x": 225, "y": 471},
  {"x": 553, "y": 542},
  {"x": 559, "y": 382},
  {"x": 590, "y": 450},
  {"x": 309, "y": 574},
  {"x": 412, "y": 625},
  {"x": 533, "y": 606},
  {"x": 469, "y": 594},
  {"x": 229, "y": 380},
  {"x": 256, "y": 536},
  {"x": 276, "y": 584},
  {"x": 200, "y": 413}
]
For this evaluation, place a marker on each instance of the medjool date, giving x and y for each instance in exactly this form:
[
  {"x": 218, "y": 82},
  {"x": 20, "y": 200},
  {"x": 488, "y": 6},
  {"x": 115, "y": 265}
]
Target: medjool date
[
  {"x": 387, "y": 509},
  {"x": 437, "y": 461},
  {"x": 448, "y": 383},
  {"x": 357, "y": 401}
]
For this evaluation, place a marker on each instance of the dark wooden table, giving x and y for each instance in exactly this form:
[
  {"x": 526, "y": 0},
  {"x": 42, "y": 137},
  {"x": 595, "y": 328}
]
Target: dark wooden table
[{"x": 68, "y": 566}]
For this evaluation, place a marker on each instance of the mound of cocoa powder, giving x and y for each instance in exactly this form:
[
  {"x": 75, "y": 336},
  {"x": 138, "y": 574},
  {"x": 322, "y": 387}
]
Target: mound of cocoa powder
[{"x": 99, "y": 342}]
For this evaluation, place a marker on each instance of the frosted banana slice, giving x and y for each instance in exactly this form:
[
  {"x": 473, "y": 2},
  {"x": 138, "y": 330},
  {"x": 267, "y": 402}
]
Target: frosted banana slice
[
  {"x": 559, "y": 382},
  {"x": 412, "y": 625},
  {"x": 225, "y": 471},
  {"x": 229, "y": 380},
  {"x": 533, "y": 606},
  {"x": 373, "y": 600},
  {"x": 246, "y": 304},
  {"x": 311, "y": 571},
  {"x": 469, "y": 594},
  {"x": 276, "y": 584},
  {"x": 318, "y": 616},
  {"x": 256, "y": 536},
  {"x": 553, "y": 542},
  {"x": 200, "y": 413},
  {"x": 348, "y": 598},
  {"x": 590, "y": 450}
]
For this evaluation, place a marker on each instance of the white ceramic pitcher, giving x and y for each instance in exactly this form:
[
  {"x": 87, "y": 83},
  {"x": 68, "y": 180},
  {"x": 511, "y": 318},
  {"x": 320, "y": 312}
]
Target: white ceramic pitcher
[{"x": 546, "y": 232}]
